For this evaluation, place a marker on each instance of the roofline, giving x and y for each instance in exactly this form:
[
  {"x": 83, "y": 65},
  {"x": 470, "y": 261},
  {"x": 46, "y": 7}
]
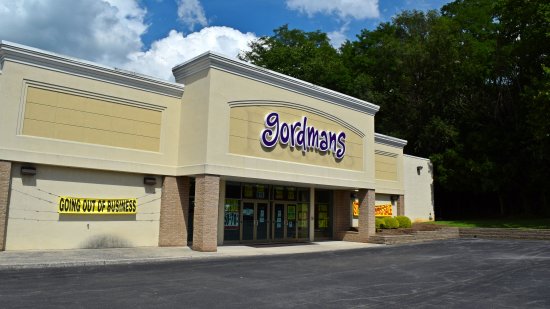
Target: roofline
[
  {"x": 18, "y": 53},
  {"x": 389, "y": 140},
  {"x": 415, "y": 157},
  {"x": 214, "y": 60}
]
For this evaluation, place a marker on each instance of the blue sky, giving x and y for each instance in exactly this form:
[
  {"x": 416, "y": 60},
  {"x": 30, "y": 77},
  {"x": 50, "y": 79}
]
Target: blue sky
[
  {"x": 262, "y": 16},
  {"x": 152, "y": 36}
]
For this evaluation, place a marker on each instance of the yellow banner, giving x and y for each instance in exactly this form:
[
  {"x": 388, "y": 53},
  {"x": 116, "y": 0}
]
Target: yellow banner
[
  {"x": 383, "y": 210},
  {"x": 355, "y": 204},
  {"x": 78, "y": 205}
]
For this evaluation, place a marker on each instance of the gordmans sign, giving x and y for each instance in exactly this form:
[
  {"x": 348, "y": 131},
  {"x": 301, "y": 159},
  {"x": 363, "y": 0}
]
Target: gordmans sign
[{"x": 299, "y": 135}]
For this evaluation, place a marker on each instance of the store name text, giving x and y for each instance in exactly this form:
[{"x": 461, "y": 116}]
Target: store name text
[{"x": 299, "y": 135}]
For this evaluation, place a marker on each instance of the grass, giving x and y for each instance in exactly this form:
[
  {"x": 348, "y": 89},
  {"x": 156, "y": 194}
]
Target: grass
[{"x": 543, "y": 223}]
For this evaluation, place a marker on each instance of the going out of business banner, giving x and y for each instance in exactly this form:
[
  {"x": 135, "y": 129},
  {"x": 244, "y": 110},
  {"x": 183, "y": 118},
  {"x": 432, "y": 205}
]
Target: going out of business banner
[
  {"x": 80, "y": 205},
  {"x": 383, "y": 210}
]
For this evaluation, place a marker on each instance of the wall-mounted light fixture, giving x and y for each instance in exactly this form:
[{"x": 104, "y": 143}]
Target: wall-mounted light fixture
[
  {"x": 419, "y": 169},
  {"x": 28, "y": 170},
  {"x": 150, "y": 181}
]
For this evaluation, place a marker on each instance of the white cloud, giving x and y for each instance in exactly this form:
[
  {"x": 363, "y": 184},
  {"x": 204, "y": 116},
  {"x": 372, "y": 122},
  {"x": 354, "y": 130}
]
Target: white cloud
[
  {"x": 338, "y": 37},
  {"x": 191, "y": 13},
  {"x": 345, "y": 9},
  {"x": 102, "y": 31},
  {"x": 176, "y": 48},
  {"x": 109, "y": 32}
]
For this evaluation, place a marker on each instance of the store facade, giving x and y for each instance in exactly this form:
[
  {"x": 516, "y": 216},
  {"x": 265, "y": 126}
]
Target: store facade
[{"x": 93, "y": 156}]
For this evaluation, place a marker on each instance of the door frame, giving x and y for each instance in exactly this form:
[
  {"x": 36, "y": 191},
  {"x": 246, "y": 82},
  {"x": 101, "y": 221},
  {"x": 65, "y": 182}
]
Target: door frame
[{"x": 255, "y": 224}]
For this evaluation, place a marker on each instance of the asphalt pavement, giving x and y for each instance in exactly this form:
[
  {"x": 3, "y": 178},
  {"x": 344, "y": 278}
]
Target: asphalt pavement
[{"x": 459, "y": 273}]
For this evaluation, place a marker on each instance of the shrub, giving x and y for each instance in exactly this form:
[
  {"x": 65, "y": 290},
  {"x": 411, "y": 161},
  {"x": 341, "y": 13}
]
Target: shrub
[
  {"x": 379, "y": 223},
  {"x": 404, "y": 221},
  {"x": 391, "y": 223}
]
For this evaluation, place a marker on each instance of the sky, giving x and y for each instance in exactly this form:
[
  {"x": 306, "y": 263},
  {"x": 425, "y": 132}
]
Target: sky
[{"x": 152, "y": 36}]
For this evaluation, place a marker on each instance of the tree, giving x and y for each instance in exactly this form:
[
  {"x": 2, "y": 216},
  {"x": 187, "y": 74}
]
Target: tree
[
  {"x": 467, "y": 86},
  {"x": 303, "y": 55}
]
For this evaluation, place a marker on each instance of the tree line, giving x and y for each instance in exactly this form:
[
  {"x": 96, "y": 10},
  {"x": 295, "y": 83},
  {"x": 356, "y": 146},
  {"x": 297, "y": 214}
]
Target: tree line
[{"x": 467, "y": 86}]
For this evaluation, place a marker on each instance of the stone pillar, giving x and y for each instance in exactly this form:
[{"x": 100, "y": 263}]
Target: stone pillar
[
  {"x": 205, "y": 222},
  {"x": 341, "y": 213},
  {"x": 5, "y": 181},
  {"x": 366, "y": 214},
  {"x": 174, "y": 210},
  {"x": 401, "y": 205}
]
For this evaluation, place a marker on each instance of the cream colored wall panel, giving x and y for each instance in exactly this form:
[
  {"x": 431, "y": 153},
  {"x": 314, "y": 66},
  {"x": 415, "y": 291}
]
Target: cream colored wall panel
[
  {"x": 39, "y": 128},
  {"x": 147, "y": 129},
  {"x": 228, "y": 153},
  {"x": 389, "y": 169},
  {"x": 40, "y": 112},
  {"x": 247, "y": 123},
  {"x": 34, "y": 222},
  {"x": 419, "y": 203},
  {"x": 107, "y": 123},
  {"x": 23, "y": 140},
  {"x": 69, "y": 132}
]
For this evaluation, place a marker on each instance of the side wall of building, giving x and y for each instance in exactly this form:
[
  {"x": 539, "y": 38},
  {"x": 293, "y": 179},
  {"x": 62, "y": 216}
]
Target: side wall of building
[
  {"x": 419, "y": 204},
  {"x": 34, "y": 221}
]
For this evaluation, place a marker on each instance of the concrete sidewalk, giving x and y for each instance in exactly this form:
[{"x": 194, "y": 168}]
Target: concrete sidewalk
[{"x": 31, "y": 259}]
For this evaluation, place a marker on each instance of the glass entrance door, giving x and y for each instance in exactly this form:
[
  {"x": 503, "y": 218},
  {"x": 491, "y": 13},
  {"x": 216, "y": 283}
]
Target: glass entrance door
[
  {"x": 248, "y": 221},
  {"x": 290, "y": 221},
  {"x": 262, "y": 221},
  {"x": 255, "y": 221},
  {"x": 279, "y": 221}
]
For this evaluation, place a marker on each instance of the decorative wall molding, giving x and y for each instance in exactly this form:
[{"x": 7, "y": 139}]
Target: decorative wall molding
[
  {"x": 241, "y": 68},
  {"x": 389, "y": 140},
  {"x": 47, "y": 60},
  {"x": 298, "y": 107}
]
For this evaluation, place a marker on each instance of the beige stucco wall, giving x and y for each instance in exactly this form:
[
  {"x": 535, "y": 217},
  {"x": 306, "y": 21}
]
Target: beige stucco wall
[
  {"x": 57, "y": 114},
  {"x": 418, "y": 189},
  {"x": 389, "y": 169},
  {"x": 15, "y": 146},
  {"x": 34, "y": 222},
  {"x": 225, "y": 89},
  {"x": 247, "y": 122}
]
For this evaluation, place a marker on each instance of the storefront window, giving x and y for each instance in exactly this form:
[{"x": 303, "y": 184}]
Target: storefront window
[
  {"x": 233, "y": 190},
  {"x": 256, "y": 192},
  {"x": 323, "y": 214},
  {"x": 231, "y": 219}
]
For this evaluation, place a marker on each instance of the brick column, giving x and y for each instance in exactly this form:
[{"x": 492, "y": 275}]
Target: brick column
[
  {"x": 205, "y": 221},
  {"x": 366, "y": 214},
  {"x": 5, "y": 180},
  {"x": 174, "y": 210},
  {"x": 401, "y": 205},
  {"x": 341, "y": 213}
]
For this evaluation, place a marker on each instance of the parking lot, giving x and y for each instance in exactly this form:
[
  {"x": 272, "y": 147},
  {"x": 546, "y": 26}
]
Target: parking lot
[{"x": 461, "y": 273}]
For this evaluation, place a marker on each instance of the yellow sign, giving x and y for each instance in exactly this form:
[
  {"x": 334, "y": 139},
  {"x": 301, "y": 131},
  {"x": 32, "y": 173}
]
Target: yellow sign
[
  {"x": 355, "y": 204},
  {"x": 78, "y": 205},
  {"x": 383, "y": 210}
]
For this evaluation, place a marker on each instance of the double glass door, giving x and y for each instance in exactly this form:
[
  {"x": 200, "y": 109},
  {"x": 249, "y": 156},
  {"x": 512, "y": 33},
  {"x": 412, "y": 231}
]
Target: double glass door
[
  {"x": 278, "y": 221},
  {"x": 255, "y": 221}
]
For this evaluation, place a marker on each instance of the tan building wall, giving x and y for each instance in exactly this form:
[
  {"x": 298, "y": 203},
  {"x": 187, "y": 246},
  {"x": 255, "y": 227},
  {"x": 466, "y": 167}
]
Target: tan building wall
[
  {"x": 389, "y": 169},
  {"x": 34, "y": 221},
  {"x": 419, "y": 203},
  {"x": 62, "y": 115},
  {"x": 55, "y": 117},
  {"x": 247, "y": 122},
  {"x": 230, "y": 91}
]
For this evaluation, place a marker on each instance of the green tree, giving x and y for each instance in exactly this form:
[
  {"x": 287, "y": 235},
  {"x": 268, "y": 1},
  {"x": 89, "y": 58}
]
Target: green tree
[
  {"x": 468, "y": 86},
  {"x": 303, "y": 55}
]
